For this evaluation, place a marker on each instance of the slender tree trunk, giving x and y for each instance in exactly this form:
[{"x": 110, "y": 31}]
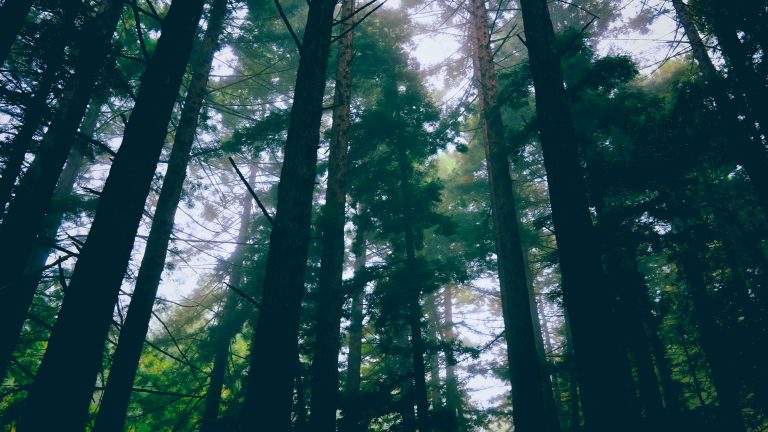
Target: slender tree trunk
[
  {"x": 601, "y": 362},
  {"x": 749, "y": 147},
  {"x": 351, "y": 421},
  {"x": 433, "y": 318},
  {"x": 13, "y": 15},
  {"x": 65, "y": 380},
  {"x": 573, "y": 387},
  {"x": 229, "y": 321},
  {"x": 528, "y": 397},
  {"x": 26, "y": 214},
  {"x": 37, "y": 109},
  {"x": 413, "y": 291},
  {"x": 274, "y": 348},
  {"x": 710, "y": 335},
  {"x": 452, "y": 395},
  {"x": 325, "y": 363},
  {"x": 39, "y": 256},
  {"x": 547, "y": 342},
  {"x": 125, "y": 363}
]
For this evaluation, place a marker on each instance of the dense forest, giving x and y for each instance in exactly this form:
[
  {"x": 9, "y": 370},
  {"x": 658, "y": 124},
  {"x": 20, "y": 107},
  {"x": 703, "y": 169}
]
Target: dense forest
[{"x": 372, "y": 215}]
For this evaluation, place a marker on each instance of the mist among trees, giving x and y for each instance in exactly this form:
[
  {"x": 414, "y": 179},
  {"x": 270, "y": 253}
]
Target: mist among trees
[{"x": 322, "y": 215}]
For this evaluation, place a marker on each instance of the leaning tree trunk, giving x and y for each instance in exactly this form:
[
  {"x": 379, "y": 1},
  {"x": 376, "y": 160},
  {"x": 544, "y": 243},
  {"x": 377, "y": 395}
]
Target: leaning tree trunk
[
  {"x": 13, "y": 15},
  {"x": 275, "y": 340},
  {"x": 601, "y": 362},
  {"x": 748, "y": 146},
  {"x": 125, "y": 363},
  {"x": 39, "y": 256},
  {"x": 324, "y": 371},
  {"x": 65, "y": 380},
  {"x": 528, "y": 397},
  {"x": 37, "y": 109},
  {"x": 26, "y": 214},
  {"x": 351, "y": 418},
  {"x": 229, "y": 320}
]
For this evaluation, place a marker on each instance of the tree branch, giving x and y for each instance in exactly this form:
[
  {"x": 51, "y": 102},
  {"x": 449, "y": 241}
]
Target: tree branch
[{"x": 252, "y": 192}]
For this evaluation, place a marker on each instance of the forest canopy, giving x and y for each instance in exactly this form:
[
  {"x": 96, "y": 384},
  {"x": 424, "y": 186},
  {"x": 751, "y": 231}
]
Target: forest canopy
[{"x": 372, "y": 215}]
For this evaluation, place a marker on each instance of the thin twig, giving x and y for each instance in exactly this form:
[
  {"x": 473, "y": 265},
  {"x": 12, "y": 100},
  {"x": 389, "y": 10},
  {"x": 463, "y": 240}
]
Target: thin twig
[
  {"x": 352, "y": 27},
  {"x": 244, "y": 295}
]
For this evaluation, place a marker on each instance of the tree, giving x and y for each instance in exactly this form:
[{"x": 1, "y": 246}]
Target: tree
[
  {"x": 63, "y": 384},
  {"x": 601, "y": 363},
  {"x": 274, "y": 347},
  {"x": 325, "y": 370},
  {"x": 114, "y": 404},
  {"x": 24, "y": 218},
  {"x": 531, "y": 410}
]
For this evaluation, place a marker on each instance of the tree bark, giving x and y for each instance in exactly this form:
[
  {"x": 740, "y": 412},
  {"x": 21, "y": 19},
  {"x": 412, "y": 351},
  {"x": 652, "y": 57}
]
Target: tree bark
[
  {"x": 601, "y": 362},
  {"x": 748, "y": 146},
  {"x": 530, "y": 411},
  {"x": 125, "y": 362},
  {"x": 37, "y": 109},
  {"x": 274, "y": 348},
  {"x": 351, "y": 418},
  {"x": 324, "y": 371},
  {"x": 26, "y": 214},
  {"x": 229, "y": 321},
  {"x": 65, "y": 380},
  {"x": 41, "y": 252},
  {"x": 13, "y": 15}
]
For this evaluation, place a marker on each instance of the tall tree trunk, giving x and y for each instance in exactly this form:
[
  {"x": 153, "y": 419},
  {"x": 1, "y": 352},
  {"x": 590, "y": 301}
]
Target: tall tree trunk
[
  {"x": 413, "y": 290},
  {"x": 601, "y": 362},
  {"x": 726, "y": 385},
  {"x": 37, "y": 108},
  {"x": 351, "y": 419},
  {"x": 65, "y": 380},
  {"x": 435, "y": 325},
  {"x": 125, "y": 362},
  {"x": 13, "y": 15},
  {"x": 574, "y": 410},
  {"x": 26, "y": 214},
  {"x": 325, "y": 370},
  {"x": 229, "y": 321},
  {"x": 749, "y": 147},
  {"x": 42, "y": 251},
  {"x": 275, "y": 340},
  {"x": 452, "y": 394},
  {"x": 547, "y": 342},
  {"x": 528, "y": 397}
]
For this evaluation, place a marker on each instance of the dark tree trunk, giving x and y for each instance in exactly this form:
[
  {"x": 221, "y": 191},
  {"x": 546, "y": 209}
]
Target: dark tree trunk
[
  {"x": 547, "y": 342},
  {"x": 710, "y": 333},
  {"x": 13, "y": 15},
  {"x": 453, "y": 402},
  {"x": 528, "y": 395},
  {"x": 37, "y": 109},
  {"x": 436, "y": 332},
  {"x": 574, "y": 407},
  {"x": 125, "y": 362},
  {"x": 748, "y": 144},
  {"x": 601, "y": 362},
  {"x": 229, "y": 321},
  {"x": 274, "y": 348},
  {"x": 26, "y": 214},
  {"x": 65, "y": 380},
  {"x": 351, "y": 418},
  {"x": 325, "y": 370},
  {"x": 42, "y": 251}
]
